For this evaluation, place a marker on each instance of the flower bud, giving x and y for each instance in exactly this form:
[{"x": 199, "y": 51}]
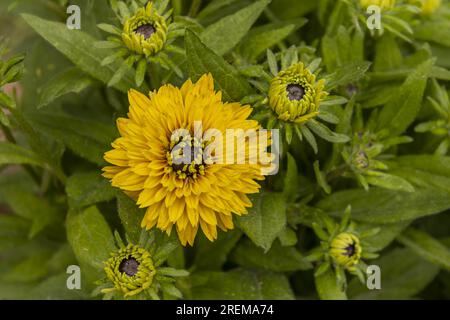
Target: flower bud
[
  {"x": 130, "y": 269},
  {"x": 146, "y": 32},
  {"x": 345, "y": 250},
  {"x": 295, "y": 95}
]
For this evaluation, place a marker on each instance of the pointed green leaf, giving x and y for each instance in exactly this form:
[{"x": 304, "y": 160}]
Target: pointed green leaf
[
  {"x": 14, "y": 154},
  {"x": 278, "y": 258},
  {"x": 225, "y": 34},
  {"x": 84, "y": 189},
  {"x": 203, "y": 60},
  {"x": 265, "y": 219},
  {"x": 403, "y": 107},
  {"x": 386, "y": 206},
  {"x": 90, "y": 237},
  {"x": 426, "y": 247},
  {"x": 69, "y": 81},
  {"x": 80, "y": 49},
  {"x": 327, "y": 287},
  {"x": 241, "y": 284}
]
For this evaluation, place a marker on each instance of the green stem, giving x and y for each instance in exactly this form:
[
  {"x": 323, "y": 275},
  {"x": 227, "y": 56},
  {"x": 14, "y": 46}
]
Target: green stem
[
  {"x": 195, "y": 6},
  {"x": 177, "y": 6},
  {"x": 336, "y": 173}
]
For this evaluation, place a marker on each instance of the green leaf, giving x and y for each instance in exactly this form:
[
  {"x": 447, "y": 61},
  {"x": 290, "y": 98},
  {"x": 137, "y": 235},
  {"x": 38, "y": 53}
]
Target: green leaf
[
  {"x": 241, "y": 285},
  {"x": 426, "y": 247},
  {"x": 320, "y": 177},
  {"x": 85, "y": 189},
  {"x": 287, "y": 9},
  {"x": 30, "y": 269},
  {"x": 171, "y": 272},
  {"x": 4, "y": 120},
  {"x": 389, "y": 181},
  {"x": 425, "y": 171},
  {"x": 69, "y": 81},
  {"x": 52, "y": 288},
  {"x": 258, "y": 40},
  {"x": 272, "y": 61},
  {"x": 130, "y": 216},
  {"x": 29, "y": 206},
  {"x": 278, "y": 258},
  {"x": 163, "y": 245},
  {"x": 212, "y": 255},
  {"x": 89, "y": 139},
  {"x": 14, "y": 231},
  {"x": 203, "y": 60},
  {"x": 288, "y": 237},
  {"x": 214, "y": 6},
  {"x": 55, "y": 288},
  {"x": 434, "y": 30},
  {"x": 225, "y": 34},
  {"x": 404, "y": 106},
  {"x": 386, "y": 206},
  {"x": 348, "y": 73},
  {"x": 387, "y": 234},
  {"x": 327, "y": 287},
  {"x": 13, "y": 154},
  {"x": 109, "y": 28},
  {"x": 305, "y": 132},
  {"x": 388, "y": 54},
  {"x": 51, "y": 155},
  {"x": 291, "y": 181},
  {"x": 90, "y": 237},
  {"x": 325, "y": 133},
  {"x": 6, "y": 100},
  {"x": 265, "y": 219},
  {"x": 141, "y": 69},
  {"x": 80, "y": 48},
  {"x": 403, "y": 275}
]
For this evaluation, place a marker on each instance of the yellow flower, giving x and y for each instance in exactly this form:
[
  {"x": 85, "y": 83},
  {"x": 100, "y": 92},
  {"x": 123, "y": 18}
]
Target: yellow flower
[
  {"x": 345, "y": 250},
  {"x": 130, "y": 269},
  {"x": 145, "y": 32},
  {"x": 295, "y": 95},
  {"x": 427, "y": 6},
  {"x": 200, "y": 192},
  {"x": 383, "y": 4}
]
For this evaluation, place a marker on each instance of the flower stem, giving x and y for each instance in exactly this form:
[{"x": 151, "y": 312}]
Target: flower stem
[{"x": 195, "y": 6}]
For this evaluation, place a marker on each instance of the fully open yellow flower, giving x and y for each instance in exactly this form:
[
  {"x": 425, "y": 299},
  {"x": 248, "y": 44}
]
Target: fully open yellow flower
[
  {"x": 186, "y": 195},
  {"x": 383, "y": 4},
  {"x": 427, "y": 6}
]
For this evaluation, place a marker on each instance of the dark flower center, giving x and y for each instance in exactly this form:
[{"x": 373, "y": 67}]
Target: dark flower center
[
  {"x": 186, "y": 157},
  {"x": 129, "y": 266},
  {"x": 350, "y": 250},
  {"x": 362, "y": 160},
  {"x": 194, "y": 152},
  {"x": 145, "y": 30},
  {"x": 352, "y": 89},
  {"x": 295, "y": 92}
]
